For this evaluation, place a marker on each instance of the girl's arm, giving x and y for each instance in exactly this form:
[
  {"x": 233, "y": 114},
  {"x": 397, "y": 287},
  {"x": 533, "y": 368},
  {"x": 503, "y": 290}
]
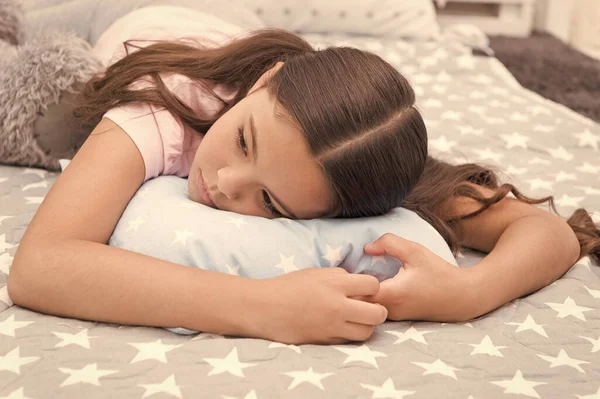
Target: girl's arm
[
  {"x": 528, "y": 247},
  {"x": 64, "y": 267}
]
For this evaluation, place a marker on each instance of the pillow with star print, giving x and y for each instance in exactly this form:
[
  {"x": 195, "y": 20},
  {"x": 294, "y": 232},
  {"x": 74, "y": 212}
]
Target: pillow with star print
[{"x": 161, "y": 221}]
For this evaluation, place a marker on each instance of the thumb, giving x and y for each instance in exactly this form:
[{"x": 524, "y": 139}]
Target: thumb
[{"x": 403, "y": 250}]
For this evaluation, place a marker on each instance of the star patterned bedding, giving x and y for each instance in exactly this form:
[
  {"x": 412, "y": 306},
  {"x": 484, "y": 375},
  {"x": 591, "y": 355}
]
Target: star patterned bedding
[{"x": 545, "y": 345}]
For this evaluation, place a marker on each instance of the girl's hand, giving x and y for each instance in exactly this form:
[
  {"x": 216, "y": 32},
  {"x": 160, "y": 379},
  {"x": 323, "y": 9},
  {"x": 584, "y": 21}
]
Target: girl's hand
[
  {"x": 316, "y": 306},
  {"x": 426, "y": 287}
]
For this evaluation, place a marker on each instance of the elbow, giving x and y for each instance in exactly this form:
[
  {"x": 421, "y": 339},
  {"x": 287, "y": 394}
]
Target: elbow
[
  {"x": 22, "y": 284},
  {"x": 18, "y": 284}
]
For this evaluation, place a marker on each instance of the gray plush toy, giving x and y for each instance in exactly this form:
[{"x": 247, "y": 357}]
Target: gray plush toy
[{"x": 39, "y": 78}]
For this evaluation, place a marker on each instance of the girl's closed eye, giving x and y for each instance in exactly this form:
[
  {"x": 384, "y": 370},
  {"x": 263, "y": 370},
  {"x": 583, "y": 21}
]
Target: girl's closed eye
[{"x": 267, "y": 204}]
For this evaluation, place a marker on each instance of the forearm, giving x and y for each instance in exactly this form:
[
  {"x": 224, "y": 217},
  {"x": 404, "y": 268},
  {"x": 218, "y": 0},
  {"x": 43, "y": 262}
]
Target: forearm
[
  {"x": 93, "y": 281},
  {"x": 530, "y": 254}
]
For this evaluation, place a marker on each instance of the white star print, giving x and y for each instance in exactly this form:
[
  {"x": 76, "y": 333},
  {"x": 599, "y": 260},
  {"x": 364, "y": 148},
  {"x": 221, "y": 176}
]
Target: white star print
[
  {"x": 293, "y": 347},
  {"x": 588, "y": 138},
  {"x": 515, "y": 140},
  {"x": 5, "y": 262},
  {"x": 378, "y": 258},
  {"x": 595, "y": 342},
  {"x": 537, "y": 110},
  {"x": 442, "y": 144},
  {"x": 42, "y": 184},
  {"x": 181, "y": 236},
  {"x": 3, "y": 218},
  {"x": 487, "y": 347},
  {"x": 34, "y": 200},
  {"x": 478, "y": 95},
  {"x": 13, "y": 361},
  {"x": 135, "y": 224},
  {"x": 230, "y": 364},
  {"x": 592, "y": 396},
  {"x": 333, "y": 256},
  {"x": 464, "y": 130},
  {"x": 482, "y": 79},
  {"x": 387, "y": 390},
  {"x": 536, "y": 183},
  {"x": 238, "y": 221},
  {"x": 594, "y": 293},
  {"x": 286, "y": 264},
  {"x": 9, "y": 326},
  {"x": 518, "y": 117},
  {"x": 250, "y": 395},
  {"x": 567, "y": 200},
  {"x": 412, "y": 334},
  {"x": 489, "y": 154},
  {"x": 40, "y": 172},
  {"x": 3, "y": 245},
  {"x": 560, "y": 153},
  {"x": 307, "y": 376},
  {"x": 564, "y": 360},
  {"x": 466, "y": 61},
  {"x": 562, "y": 176},
  {"x": 89, "y": 374},
  {"x": 232, "y": 270},
  {"x": 16, "y": 394},
  {"x": 168, "y": 386},
  {"x": 569, "y": 308},
  {"x": 361, "y": 354},
  {"x": 530, "y": 324},
  {"x": 498, "y": 104},
  {"x": 452, "y": 115},
  {"x": 491, "y": 120},
  {"x": 81, "y": 339},
  {"x": 588, "y": 168},
  {"x": 512, "y": 170},
  {"x": 589, "y": 190},
  {"x": 4, "y": 296},
  {"x": 438, "y": 367},
  {"x": 152, "y": 351},
  {"x": 519, "y": 385},
  {"x": 543, "y": 128}
]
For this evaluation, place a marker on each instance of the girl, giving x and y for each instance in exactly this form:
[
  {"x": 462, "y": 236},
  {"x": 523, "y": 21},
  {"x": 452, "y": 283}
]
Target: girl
[{"x": 264, "y": 125}]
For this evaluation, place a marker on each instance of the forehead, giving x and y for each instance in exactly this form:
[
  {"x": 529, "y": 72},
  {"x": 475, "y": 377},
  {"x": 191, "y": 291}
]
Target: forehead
[{"x": 285, "y": 164}]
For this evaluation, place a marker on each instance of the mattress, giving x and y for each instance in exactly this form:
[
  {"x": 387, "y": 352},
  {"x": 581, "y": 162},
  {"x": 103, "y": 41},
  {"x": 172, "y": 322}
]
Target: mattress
[{"x": 544, "y": 345}]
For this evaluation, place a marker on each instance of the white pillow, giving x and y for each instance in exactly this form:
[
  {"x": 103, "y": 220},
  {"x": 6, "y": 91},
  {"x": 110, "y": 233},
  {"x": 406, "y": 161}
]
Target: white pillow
[{"x": 391, "y": 18}]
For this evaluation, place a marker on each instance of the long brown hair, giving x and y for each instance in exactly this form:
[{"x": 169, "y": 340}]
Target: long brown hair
[{"x": 357, "y": 112}]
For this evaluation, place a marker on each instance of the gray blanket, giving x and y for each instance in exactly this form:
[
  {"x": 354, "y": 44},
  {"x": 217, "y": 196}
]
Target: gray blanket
[{"x": 545, "y": 345}]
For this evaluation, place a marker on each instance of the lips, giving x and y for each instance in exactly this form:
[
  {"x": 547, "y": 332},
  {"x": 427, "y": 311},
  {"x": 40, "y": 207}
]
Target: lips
[{"x": 204, "y": 191}]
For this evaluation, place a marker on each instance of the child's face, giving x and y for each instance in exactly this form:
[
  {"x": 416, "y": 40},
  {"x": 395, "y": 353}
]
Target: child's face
[{"x": 283, "y": 168}]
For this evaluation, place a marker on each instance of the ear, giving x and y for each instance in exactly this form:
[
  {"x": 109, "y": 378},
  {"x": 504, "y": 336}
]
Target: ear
[{"x": 265, "y": 77}]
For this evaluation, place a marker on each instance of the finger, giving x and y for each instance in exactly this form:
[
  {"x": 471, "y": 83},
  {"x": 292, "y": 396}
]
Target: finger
[
  {"x": 398, "y": 247},
  {"x": 357, "y": 332},
  {"x": 360, "y": 284},
  {"x": 365, "y": 312}
]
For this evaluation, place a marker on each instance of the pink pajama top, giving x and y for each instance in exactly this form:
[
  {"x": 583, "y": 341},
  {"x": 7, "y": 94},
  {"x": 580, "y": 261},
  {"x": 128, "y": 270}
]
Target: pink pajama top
[{"x": 167, "y": 145}]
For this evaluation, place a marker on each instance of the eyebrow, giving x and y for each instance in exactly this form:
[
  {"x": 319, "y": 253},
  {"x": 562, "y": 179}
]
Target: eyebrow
[{"x": 255, "y": 157}]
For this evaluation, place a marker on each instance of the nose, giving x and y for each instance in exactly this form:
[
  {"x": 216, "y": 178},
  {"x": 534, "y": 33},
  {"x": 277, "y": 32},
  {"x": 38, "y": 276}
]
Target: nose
[{"x": 233, "y": 181}]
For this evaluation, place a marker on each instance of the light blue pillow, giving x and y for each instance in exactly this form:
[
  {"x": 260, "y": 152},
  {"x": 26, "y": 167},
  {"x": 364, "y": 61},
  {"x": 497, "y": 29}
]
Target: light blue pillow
[{"x": 162, "y": 221}]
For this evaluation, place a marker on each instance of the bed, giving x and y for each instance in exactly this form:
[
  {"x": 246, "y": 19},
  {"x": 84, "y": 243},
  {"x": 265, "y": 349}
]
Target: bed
[{"x": 544, "y": 345}]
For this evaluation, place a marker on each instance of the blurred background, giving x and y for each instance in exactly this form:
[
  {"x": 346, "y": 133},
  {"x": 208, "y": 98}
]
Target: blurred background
[{"x": 551, "y": 46}]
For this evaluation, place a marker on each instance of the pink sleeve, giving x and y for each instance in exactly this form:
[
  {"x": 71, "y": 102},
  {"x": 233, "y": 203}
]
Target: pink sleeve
[
  {"x": 149, "y": 127},
  {"x": 162, "y": 138}
]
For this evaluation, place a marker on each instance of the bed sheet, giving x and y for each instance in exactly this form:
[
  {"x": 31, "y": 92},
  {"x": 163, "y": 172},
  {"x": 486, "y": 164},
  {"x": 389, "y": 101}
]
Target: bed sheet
[{"x": 545, "y": 345}]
